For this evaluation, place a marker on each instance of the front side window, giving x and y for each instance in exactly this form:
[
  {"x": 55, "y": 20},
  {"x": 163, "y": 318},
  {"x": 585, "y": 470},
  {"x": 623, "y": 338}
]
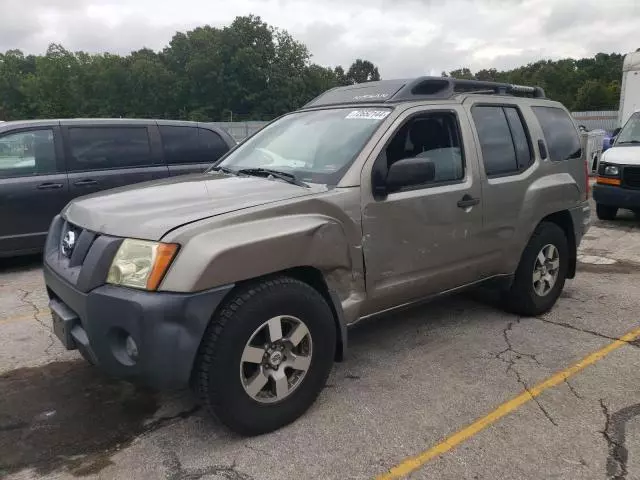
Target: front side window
[
  {"x": 100, "y": 148},
  {"x": 316, "y": 146},
  {"x": 630, "y": 133},
  {"x": 26, "y": 153},
  {"x": 560, "y": 133},
  {"x": 434, "y": 136}
]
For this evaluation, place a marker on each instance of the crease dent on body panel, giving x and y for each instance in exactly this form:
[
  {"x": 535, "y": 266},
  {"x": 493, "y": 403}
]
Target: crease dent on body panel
[
  {"x": 351, "y": 286},
  {"x": 348, "y": 281}
]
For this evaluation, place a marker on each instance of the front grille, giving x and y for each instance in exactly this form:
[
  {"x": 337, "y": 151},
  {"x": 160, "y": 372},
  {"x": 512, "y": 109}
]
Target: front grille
[
  {"x": 88, "y": 265},
  {"x": 631, "y": 177}
]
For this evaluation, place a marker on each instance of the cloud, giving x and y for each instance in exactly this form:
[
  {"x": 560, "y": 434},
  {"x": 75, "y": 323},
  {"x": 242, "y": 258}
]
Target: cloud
[{"x": 402, "y": 37}]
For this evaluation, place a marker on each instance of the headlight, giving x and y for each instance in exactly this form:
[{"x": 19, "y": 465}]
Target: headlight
[
  {"x": 141, "y": 264},
  {"x": 611, "y": 171}
]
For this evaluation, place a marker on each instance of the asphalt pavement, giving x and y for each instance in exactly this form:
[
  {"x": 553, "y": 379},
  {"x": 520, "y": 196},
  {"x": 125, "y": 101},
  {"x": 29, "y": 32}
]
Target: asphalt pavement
[{"x": 457, "y": 389}]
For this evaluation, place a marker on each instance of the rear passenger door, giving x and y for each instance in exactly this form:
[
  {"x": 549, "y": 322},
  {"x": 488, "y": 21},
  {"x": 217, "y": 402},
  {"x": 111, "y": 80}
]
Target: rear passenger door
[
  {"x": 508, "y": 160},
  {"x": 190, "y": 149},
  {"x": 105, "y": 156}
]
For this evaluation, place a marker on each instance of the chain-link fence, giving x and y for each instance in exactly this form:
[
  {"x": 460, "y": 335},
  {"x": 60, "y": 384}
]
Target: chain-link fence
[
  {"x": 240, "y": 130},
  {"x": 605, "y": 119}
]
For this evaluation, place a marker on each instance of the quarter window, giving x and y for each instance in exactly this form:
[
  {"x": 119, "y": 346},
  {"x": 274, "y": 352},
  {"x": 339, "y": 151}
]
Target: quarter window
[
  {"x": 559, "y": 132},
  {"x": 191, "y": 145},
  {"x": 100, "y": 148},
  {"x": 503, "y": 139},
  {"x": 27, "y": 153},
  {"x": 211, "y": 144},
  {"x": 180, "y": 144}
]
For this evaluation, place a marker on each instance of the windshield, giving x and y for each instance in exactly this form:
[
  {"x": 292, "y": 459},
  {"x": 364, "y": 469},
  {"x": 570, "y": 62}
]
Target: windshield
[
  {"x": 630, "y": 134},
  {"x": 316, "y": 146}
]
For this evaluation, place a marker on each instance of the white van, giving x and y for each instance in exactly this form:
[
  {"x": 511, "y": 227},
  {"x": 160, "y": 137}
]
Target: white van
[
  {"x": 630, "y": 88},
  {"x": 618, "y": 181}
]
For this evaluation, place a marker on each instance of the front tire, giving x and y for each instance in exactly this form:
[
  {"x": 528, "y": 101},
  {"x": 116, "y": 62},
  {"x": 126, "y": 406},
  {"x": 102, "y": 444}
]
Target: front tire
[
  {"x": 266, "y": 355},
  {"x": 541, "y": 274},
  {"x": 606, "y": 212}
]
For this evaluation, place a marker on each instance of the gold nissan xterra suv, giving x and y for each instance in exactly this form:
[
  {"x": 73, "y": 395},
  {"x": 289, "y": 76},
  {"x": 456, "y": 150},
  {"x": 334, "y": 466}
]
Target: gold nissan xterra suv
[{"x": 242, "y": 281}]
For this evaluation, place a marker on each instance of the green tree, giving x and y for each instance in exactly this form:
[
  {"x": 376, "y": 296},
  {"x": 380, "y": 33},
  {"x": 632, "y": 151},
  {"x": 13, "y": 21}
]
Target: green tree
[
  {"x": 246, "y": 70},
  {"x": 587, "y": 82},
  {"x": 462, "y": 73},
  {"x": 14, "y": 67},
  {"x": 596, "y": 95},
  {"x": 362, "y": 71},
  {"x": 341, "y": 77}
]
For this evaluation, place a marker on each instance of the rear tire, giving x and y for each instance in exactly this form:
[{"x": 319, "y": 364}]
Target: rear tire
[
  {"x": 605, "y": 212},
  {"x": 545, "y": 258},
  {"x": 240, "y": 347}
]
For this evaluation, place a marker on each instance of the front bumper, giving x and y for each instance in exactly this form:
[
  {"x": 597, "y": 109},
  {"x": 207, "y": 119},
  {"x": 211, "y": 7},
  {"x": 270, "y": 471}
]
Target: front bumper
[
  {"x": 616, "y": 196},
  {"x": 97, "y": 318}
]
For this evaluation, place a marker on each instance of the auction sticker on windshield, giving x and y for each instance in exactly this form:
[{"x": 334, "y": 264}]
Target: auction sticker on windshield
[{"x": 367, "y": 114}]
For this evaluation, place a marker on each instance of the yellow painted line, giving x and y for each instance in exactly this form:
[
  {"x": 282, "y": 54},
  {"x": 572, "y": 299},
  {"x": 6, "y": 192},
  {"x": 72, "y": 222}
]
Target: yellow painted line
[
  {"x": 24, "y": 318},
  {"x": 412, "y": 464}
]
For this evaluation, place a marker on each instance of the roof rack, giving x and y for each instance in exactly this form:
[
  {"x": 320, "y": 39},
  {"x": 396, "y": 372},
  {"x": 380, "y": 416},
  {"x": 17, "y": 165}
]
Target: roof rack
[{"x": 422, "y": 88}]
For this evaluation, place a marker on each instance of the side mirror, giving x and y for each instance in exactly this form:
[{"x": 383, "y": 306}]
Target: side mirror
[
  {"x": 409, "y": 172},
  {"x": 612, "y": 141}
]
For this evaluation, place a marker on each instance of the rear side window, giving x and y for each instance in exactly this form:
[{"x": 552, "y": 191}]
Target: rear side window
[
  {"x": 99, "y": 148},
  {"x": 27, "y": 153},
  {"x": 503, "y": 139},
  {"x": 191, "y": 145},
  {"x": 559, "y": 132}
]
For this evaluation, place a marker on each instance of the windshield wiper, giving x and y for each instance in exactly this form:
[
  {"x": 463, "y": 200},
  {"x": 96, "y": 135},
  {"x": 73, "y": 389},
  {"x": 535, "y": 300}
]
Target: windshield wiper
[
  {"x": 628, "y": 141},
  {"x": 287, "y": 177},
  {"x": 223, "y": 170}
]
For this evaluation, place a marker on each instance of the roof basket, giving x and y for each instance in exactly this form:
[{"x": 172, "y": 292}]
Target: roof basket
[{"x": 422, "y": 88}]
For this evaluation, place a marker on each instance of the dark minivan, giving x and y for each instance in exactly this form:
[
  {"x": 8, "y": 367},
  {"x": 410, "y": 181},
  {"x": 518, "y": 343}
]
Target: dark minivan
[{"x": 46, "y": 163}]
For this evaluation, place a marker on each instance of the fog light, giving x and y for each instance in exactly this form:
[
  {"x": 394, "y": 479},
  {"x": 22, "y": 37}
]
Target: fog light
[{"x": 131, "y": 347}]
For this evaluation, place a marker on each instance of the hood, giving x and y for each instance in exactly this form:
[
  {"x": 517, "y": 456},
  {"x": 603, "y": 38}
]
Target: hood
[
  {"x": 623, "y": 155},
  {"x": 149, "y": 210}
]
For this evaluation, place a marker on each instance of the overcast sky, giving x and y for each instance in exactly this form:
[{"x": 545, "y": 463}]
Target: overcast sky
[{"x": 402, "y": 37}]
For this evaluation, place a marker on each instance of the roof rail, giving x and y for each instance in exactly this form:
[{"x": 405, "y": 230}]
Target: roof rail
[
  {"x": 422, "y": 88},
  {"x": 479, "y": 86}
]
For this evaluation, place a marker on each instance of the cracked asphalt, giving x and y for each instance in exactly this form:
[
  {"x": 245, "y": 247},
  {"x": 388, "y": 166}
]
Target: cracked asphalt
[{"x": 410, "y": 380}]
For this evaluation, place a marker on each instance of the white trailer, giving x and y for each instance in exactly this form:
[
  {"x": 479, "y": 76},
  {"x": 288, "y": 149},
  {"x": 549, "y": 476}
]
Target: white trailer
[{"x": 630, "y": 89}]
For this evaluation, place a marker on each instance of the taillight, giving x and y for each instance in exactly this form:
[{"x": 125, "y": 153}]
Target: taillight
[{"x": 587, "y": 186}]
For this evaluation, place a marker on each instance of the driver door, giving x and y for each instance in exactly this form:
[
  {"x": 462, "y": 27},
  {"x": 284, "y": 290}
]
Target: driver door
[{"x": 422, "y": 239}]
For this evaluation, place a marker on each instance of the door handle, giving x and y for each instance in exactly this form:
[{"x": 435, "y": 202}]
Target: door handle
[
  {"x": 468, "y": 201},
  {"x": 543, "y": 150},
  {"x": 87, "y": 181},
  {"x": 49, "y": 186}
]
